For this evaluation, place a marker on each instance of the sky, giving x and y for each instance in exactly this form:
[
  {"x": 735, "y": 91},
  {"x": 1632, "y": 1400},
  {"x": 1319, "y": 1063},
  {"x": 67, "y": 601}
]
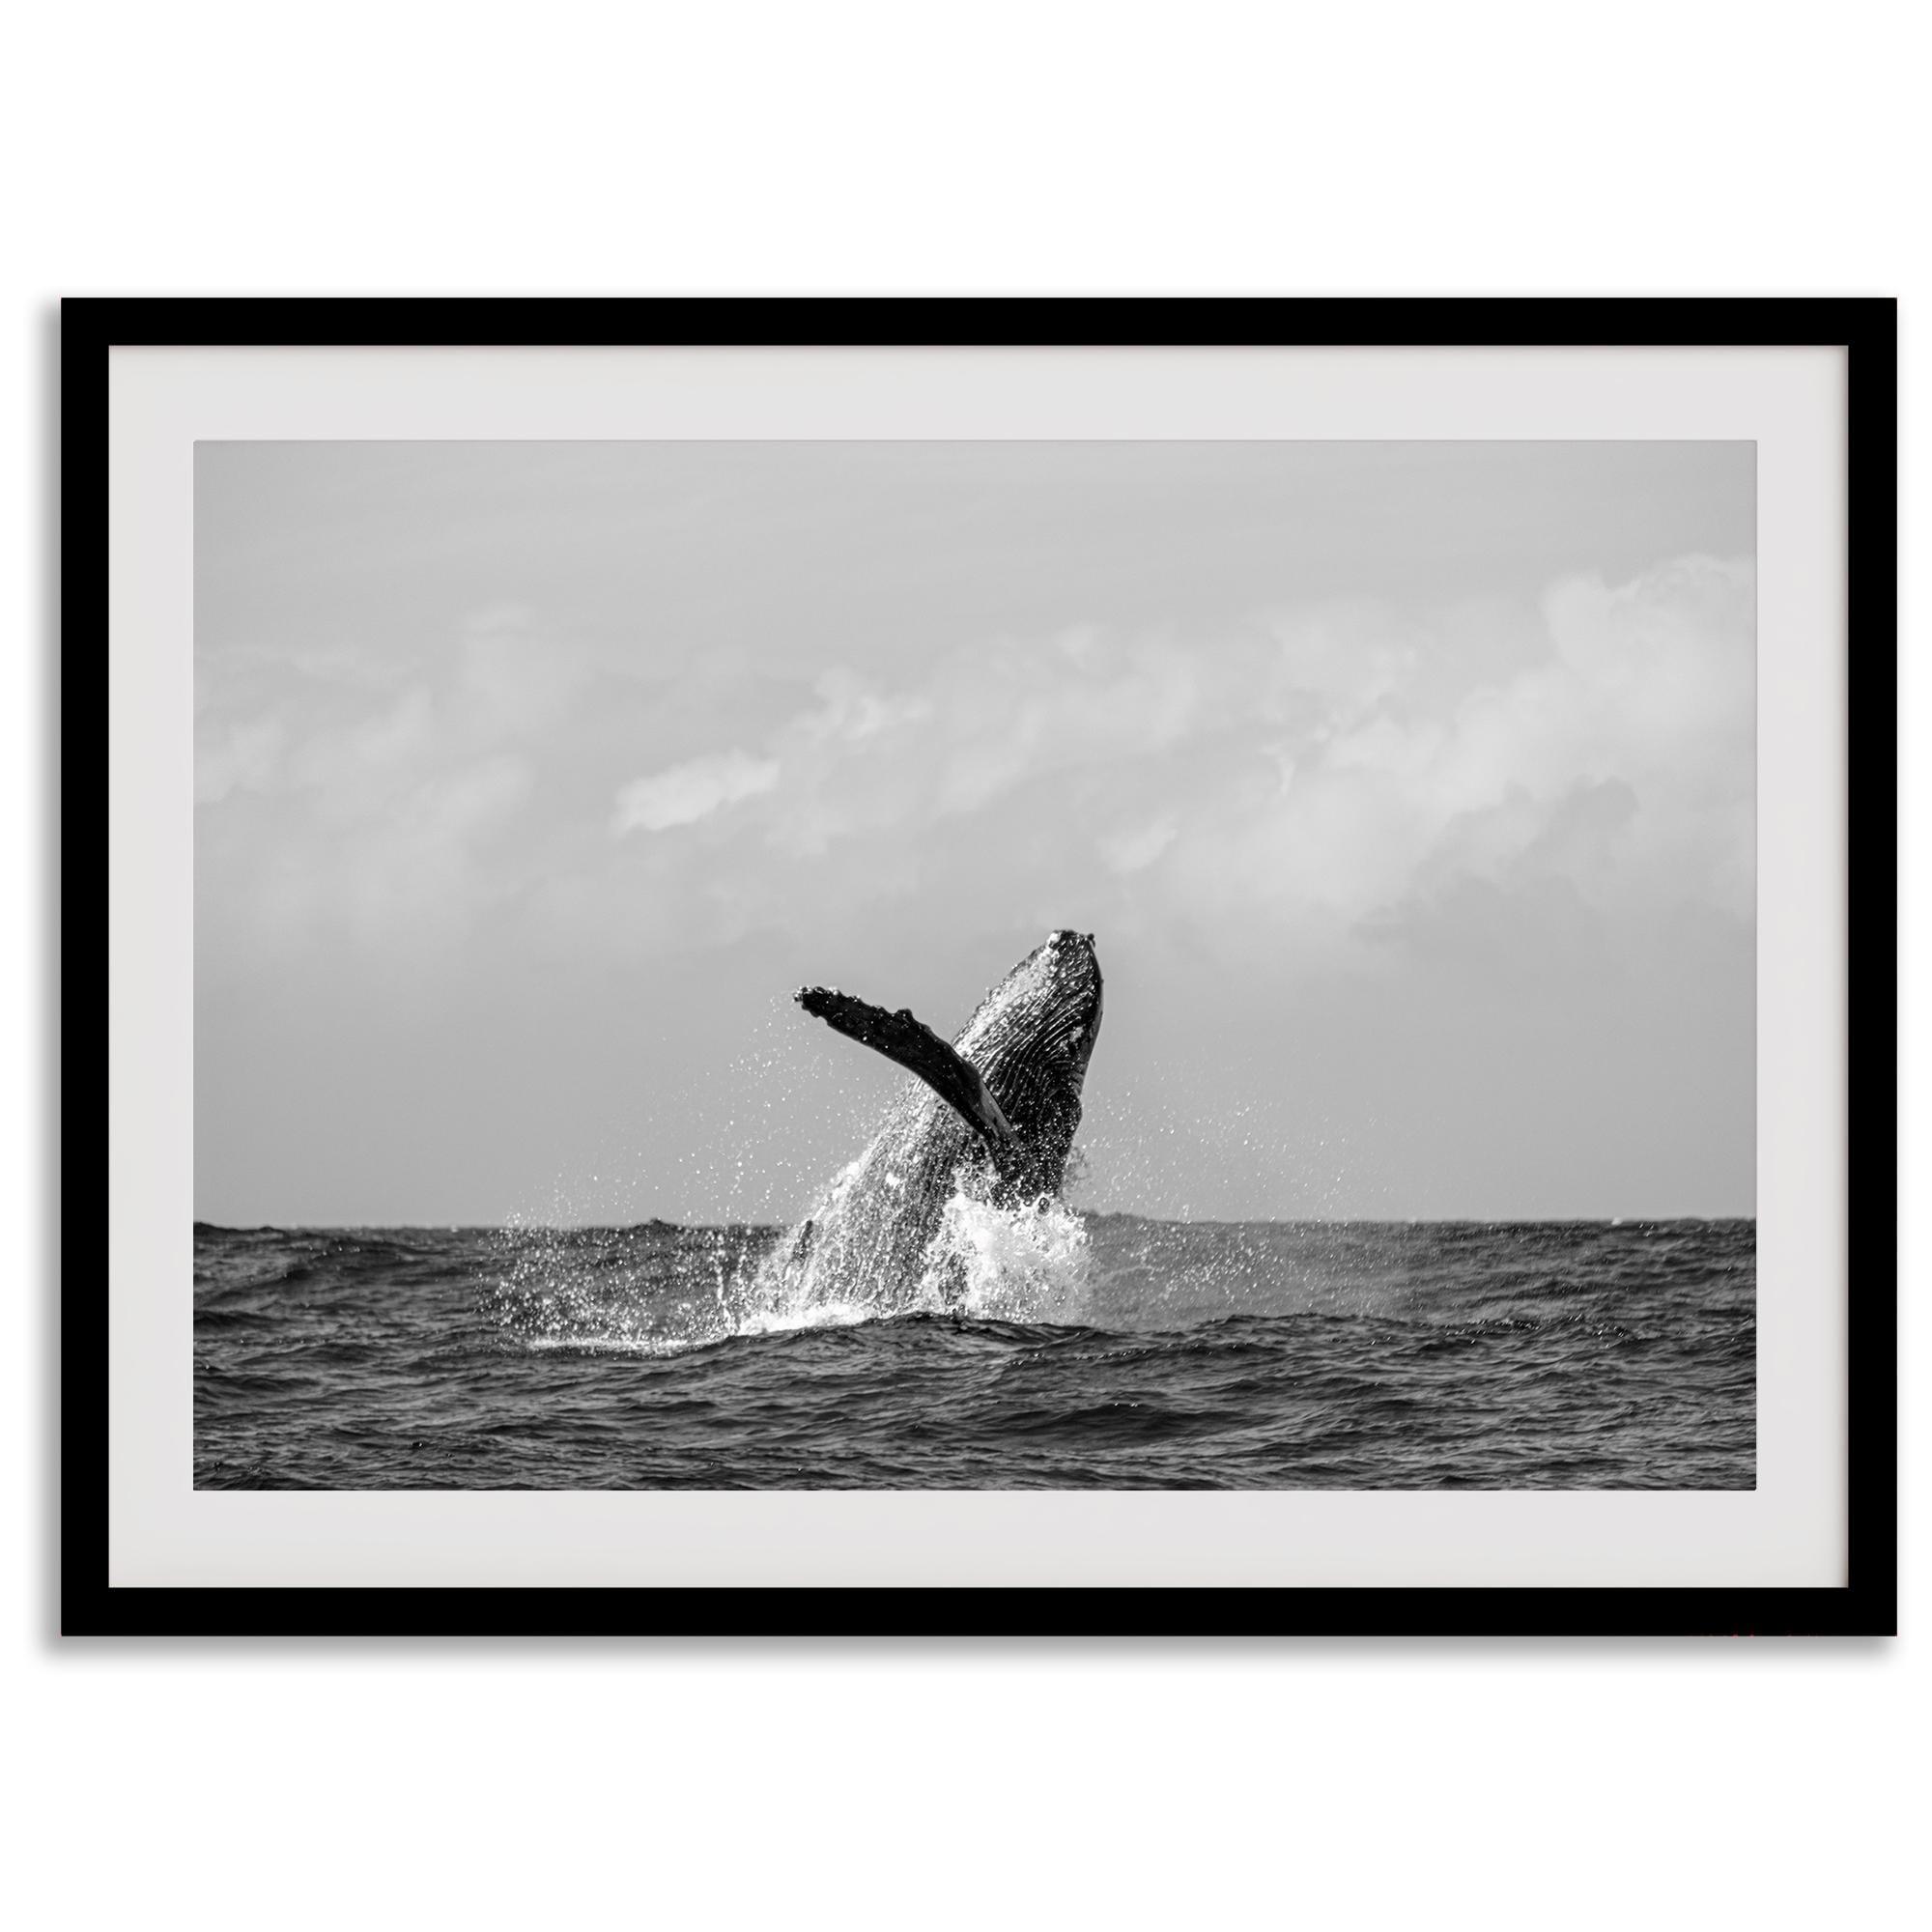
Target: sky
[{"x": 1408, "y": 790}]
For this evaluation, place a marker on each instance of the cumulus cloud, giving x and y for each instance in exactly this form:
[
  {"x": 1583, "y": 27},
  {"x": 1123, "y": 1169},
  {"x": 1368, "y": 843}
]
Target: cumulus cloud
[
  {"x": 1134, "y": 848},
  {"x": 1619, "y": 759},
  {"x": 1291, "y": 779},
  {"x": 693, "y": 790},
  {"x": 1295, "y": 782}
]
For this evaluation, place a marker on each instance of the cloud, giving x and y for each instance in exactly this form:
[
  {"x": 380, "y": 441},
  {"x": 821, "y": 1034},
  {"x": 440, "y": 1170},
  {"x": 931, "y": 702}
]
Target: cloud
[
  {"x": 1621, "y": 759},
  {"x": 1134, "y": 848},
  {"x": 385, "y": 807},
  {"x": 1288, "y": 778},
  {"x": 1293, "y": 787},
  {"x": 691, "y": 791}
]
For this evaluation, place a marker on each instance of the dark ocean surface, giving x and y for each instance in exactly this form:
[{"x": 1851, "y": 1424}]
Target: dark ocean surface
[{"x": 1098, "y": 1351}]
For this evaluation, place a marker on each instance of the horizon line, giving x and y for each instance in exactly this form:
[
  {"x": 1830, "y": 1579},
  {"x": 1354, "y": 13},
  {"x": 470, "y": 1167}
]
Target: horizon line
[{"x": 1085, "y": 1214}]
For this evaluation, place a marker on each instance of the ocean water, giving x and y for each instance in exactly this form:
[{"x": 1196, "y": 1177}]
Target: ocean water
[{"x": 1085, "y": 1352}]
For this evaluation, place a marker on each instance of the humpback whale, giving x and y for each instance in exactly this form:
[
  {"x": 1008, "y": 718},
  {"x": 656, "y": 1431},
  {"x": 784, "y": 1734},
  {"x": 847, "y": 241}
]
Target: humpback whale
[{"x": 994, "y": 1112}]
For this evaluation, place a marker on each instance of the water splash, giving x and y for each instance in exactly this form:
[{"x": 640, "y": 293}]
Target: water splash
[
  {"x": 1027, "y": 1263},
  {"x": 619, "y": 1289},
  {"x": 664, "y": 1290},
  {"x": 984, "y": 1260}
]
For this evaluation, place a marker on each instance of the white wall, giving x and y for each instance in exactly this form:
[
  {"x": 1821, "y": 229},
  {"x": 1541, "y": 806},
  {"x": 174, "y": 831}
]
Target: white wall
[{"x": 370, "y": 148}]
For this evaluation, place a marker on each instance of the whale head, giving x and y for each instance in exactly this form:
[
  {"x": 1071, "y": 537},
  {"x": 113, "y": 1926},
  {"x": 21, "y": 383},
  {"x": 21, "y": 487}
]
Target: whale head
[
  {"x": 1044, "y": 1015},
  {"x": 1031, "y": 1039}
]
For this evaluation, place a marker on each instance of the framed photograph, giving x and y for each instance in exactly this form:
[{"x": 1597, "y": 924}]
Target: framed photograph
[{"x": 985, "y": 966}]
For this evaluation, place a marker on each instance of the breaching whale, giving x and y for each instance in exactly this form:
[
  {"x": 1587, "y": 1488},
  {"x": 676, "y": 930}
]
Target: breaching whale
[{"x": 994, "y": 1112}]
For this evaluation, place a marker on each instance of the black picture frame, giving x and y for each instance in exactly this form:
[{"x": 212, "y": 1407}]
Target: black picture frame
[{"x": 1865, "y": 1604}]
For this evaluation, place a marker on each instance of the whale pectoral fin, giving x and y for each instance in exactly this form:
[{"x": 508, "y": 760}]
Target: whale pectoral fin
[{"x": 915, "y": 1046}]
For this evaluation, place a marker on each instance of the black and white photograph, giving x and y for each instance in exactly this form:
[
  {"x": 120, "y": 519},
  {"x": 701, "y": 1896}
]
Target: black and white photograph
[
  {"x": 975, "y": 965},
  {"x": 1007, "y": 967}
]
